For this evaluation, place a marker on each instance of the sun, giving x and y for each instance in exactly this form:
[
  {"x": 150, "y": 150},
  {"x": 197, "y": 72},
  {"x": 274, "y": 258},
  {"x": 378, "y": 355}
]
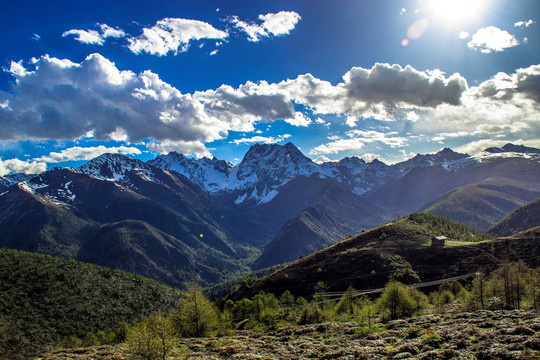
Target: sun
[{"x": 456, "y": 12}]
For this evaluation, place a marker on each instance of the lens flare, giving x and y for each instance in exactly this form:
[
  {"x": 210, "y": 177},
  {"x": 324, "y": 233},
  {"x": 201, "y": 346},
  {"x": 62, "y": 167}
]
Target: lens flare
[{"x": 456, "y": 12}]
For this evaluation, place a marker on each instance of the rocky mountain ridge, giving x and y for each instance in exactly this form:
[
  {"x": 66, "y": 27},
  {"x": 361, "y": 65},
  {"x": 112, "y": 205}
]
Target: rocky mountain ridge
[
  {"x": 175, "y": 218},
  {"x": 266, "y": 167}
]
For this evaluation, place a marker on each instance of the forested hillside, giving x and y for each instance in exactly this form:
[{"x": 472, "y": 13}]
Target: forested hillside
[{"x": 44, "y": 299}]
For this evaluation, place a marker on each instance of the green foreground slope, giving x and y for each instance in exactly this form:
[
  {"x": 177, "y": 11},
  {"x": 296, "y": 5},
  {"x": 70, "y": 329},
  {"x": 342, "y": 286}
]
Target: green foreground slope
[
  {"x": 521, "y": 219},
  {"x": 44, "y": 299}
]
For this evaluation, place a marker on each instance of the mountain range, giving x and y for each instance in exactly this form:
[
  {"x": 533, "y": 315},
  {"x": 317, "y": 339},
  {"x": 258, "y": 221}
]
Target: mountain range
[{"x": 179, "y": 219}]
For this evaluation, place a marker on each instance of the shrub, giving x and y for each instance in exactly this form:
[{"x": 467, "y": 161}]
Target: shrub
[
  {"x": 195, "y": 315},
  {"x": 151, "y": 339},
  {"x": 396, "y": 300}
]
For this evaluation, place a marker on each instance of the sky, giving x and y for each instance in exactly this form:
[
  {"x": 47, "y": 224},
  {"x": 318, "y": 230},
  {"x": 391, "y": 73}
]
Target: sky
[{"x": 376, "y": 79}]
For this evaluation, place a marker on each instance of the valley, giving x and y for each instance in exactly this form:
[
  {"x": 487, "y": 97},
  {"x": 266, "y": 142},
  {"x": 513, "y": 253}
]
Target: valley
[{"x": 307, "y": 230}]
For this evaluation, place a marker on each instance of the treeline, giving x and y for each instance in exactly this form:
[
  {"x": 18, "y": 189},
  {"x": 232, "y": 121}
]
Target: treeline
[
  {"x": 438, "y": 225},
  {"x": 46, "y": 300},
  {"x": 48, "y": 303},
  {"x": 512, "y": 286}
]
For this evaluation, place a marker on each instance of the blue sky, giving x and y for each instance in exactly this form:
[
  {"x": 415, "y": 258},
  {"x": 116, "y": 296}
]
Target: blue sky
[{"x": 370, "y": 78}]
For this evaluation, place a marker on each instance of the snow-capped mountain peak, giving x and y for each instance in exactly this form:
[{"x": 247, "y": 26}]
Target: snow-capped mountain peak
[
  {"x": 210, "y": 174},
  {"x": 512, "y": 148},
  {"x": 113, "y": 167},
  {"x": 276, "y": 162}
]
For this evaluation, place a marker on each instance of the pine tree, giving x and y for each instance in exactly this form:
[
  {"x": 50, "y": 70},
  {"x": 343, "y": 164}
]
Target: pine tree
[{"x": 195, "y": 315}]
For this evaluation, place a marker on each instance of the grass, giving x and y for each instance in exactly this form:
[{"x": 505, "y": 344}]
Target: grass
[
  {"x": 462, "y": 243},
  {"x": 374, "y": 329}
]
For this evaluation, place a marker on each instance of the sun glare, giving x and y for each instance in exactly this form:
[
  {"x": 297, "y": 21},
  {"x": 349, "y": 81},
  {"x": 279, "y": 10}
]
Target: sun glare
[{"x": 456, "y": 12}]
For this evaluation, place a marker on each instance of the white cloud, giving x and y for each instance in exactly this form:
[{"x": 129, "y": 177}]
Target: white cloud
[
  {"x": 393, "y": 84},
  {"x": 277, "y": 24},
  {"x": 15, "y": 166},
  {"x": 95, "y": 37},
  {"x": 261, "y": 139},
  {"x": 507, "y": 106},
  {"x": 17, "y": 69},
  {"x": 173, "y": 34},
  {"x": 110, "y": 32},
  {"x": 491, "y": 39},
  {"x": 322, "y": 122},
  {"x": 380, "y": 92},
  {"x": 524, "y": 24},
  {"x": 369, "y": 157},
  {"x": 375, "y": 136},
  {"x": 59, "y": 99},
  {"x": 86, "y": 36},
  {"x": 86, "y": 153},
  {"x": 357, "y": 140},
  {"x": 477, "y": 146},
  {"x": 338, "y": 146},
  {"x": 321, "y": 159},
  {"x": 249, "y": 103},
  {"x": 281, "y": 23},
  {"x": 196, "y": 147},
  {"x": 299, "y": 120},
  {"x": 412, "y": 116},
  {"x": 464, "y": 35}
]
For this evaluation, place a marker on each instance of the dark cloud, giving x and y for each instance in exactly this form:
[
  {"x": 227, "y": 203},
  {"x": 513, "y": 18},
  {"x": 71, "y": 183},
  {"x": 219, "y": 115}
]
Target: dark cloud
[{"x": 392, "y": 84}]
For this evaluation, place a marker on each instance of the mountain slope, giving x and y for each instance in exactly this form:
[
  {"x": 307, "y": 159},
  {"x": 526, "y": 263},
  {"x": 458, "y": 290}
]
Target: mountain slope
[
  {"x": 400, "y": 250},
  {"x": 207, "y": 219},
  {"x": 210, "y": 174},
  {"x": 331, "y": 212},
  {"x": 480, "y": 205},
  {"x": 421, "y": 185},
  {"x": 45, "y": 299},
  {"x": 74, "y": 215},
  {"x": 266, "y": 167},
  {"x": 521, "y": 219}
]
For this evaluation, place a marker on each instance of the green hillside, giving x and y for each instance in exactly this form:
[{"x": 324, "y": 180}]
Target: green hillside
[
  {"x": 523, "y": 218},
  {"x": 398, "y": 251},
  {"x": 435, "y": 225},
  {"x": 480, "y": 205},
  {"x": 44, "y": 299}
]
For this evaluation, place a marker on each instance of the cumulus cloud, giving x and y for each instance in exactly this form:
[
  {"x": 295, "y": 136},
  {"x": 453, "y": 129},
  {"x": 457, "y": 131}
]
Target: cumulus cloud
[
  {"x": 491, "y": 39},
  {"x": 60, "y": 99},
  {"x": 506, "y": 107},
  {"x": 356, "y": 140},
  {"x": 391, "y": 84},
  {"x": 111, "y": 32},
  {"x": 248, "y": 103},
  {"x": 277, "y": 24},
  {"x": 380, "y": 92},
  {"x": 261, "y": 139},
  {"x": 299, "y": 120},
  {"x": 173, "y": 35},
  {"x": 524, "y": 24},
  {"x": 196, "y": 147},
  {"x": 95, "y": 37},
  {"x": 86, "y": 36},
  {"x": 337, "y": 146},
  {"x": 369, "y": 157},
  {"x": 463, "y": 35},
  {"x": 16, "y": 166},
  {"x": 477, "y": 146},
  {"x": 321, "y": 159},
  {"x": 86, "y": 153}
]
